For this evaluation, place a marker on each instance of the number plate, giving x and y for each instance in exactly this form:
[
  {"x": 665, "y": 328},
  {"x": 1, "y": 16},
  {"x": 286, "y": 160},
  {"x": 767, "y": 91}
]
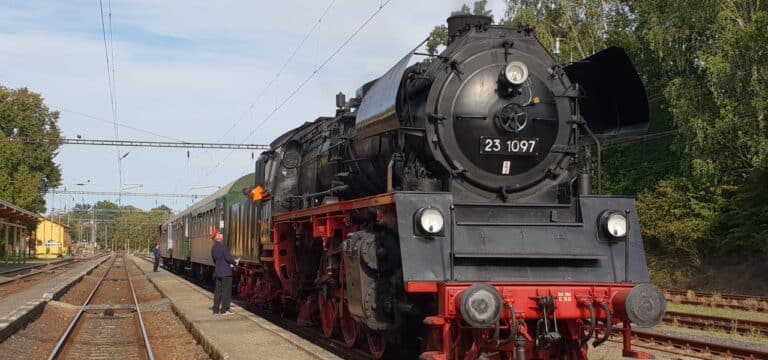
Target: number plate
[{"x": 509, "y": 146}]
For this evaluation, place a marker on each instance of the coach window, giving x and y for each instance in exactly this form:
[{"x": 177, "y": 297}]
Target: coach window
[{"x": 210, "y": 220}]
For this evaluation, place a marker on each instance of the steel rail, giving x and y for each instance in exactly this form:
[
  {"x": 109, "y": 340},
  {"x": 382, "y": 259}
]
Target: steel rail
[
  {"x": 147, "y": 345},
  {"x": 705, "y": 294},
  {"x": 60, "y": 344},
  {"x": 704, "y": 322},
  {"x": 32, "y": 267},
  {"x": 729, "y": 301},
  {"x": 692, "y": 347}
]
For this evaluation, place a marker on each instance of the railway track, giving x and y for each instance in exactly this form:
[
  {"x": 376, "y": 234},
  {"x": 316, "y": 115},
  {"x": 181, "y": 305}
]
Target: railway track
[
  {"x": 32, "y": 267},
  {"x": 311, "y": 334},
  {"x": 692, "y": 347},
  {"x": 730, "y": 301},
  {"x": 736, "y": 297},
  {"x": 109, "y": 327},
  {"x": 16, "y": 280},
  {"x": 32, "y": 270},
  {"x": 708, "y": 322}
]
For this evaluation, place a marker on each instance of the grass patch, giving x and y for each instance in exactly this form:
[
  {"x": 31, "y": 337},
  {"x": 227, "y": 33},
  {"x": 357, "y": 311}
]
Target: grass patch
[{"x": 712, "y": 311}]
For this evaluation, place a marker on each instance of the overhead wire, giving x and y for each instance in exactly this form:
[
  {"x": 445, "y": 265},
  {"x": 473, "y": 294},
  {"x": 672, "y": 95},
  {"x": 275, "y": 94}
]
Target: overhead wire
[
  {"x": 114, "y": 91},
  {"x": 109, "y": 49},
  {"x": 650, "y": 136},
  {"x": 307, "y": 79},
  {"x": 282, "y": 68}
]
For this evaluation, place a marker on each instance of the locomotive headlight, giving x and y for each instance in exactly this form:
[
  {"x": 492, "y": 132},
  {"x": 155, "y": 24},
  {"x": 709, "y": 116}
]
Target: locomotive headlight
[
  {"x": 516, "y": 72},
  {"x": 614, "y": 223},
  {"x": 480, "y": 305},
  {"x": 430, "y": 221}
]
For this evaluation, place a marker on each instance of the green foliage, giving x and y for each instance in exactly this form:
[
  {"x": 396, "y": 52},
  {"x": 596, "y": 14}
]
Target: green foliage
[
  {"x": 117, "y": 227},
  {"x": 718, "y": 81},
  {"x": 464, "y": 10},
  {"x": 742, "y": 223},
  {"x": 27, "y": 171},
  {"x": 439, "y": 35},
  {"x": 140, "y": 228},
  {"x": 712, "y": 56},
  {"x": 676, "y": 218},
  {"x": 583, "y": 27},
  {"x": 479, "y": 7}
]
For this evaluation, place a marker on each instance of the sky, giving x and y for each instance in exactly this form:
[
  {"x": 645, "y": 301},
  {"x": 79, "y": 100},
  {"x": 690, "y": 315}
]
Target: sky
[{"x": 196, "y": 71}]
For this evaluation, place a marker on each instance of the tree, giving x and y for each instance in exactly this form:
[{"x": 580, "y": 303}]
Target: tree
[
  {"x": 162, "y": 207},
  {"x": 713, "y": 56},
  {"x": 123, "y": 224},
  {"x": 27, "y": 171},
  {"x": 714, "y": 53},
  {"x": 583, "y": 27}
]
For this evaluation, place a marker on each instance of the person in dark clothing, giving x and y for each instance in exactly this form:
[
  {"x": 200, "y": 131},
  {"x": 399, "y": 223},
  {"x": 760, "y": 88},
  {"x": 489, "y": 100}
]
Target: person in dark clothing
[
  {"x": 156, "y": 253},
  {"x": 223, "y": 274}
]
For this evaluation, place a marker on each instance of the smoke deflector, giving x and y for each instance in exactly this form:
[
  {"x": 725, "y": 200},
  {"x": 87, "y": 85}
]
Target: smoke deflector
[{"x": 614, "y": 102}]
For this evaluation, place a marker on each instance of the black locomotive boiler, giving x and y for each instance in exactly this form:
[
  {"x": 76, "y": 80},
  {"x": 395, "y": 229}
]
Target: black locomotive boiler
[{"x": 446, "y": 208}]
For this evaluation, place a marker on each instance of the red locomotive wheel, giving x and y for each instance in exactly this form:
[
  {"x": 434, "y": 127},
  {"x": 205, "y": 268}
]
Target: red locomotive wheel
[
  {"x": 349, "y": 327},
  {"x": 328, "y": 314},
  {"x": 376, "y": 343}
]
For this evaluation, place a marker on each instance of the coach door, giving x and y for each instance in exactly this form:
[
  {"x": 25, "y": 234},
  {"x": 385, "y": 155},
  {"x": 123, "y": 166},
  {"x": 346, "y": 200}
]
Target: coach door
[
  {"x": 169, "y": 231},
  {"x": 185, "y": 239}
]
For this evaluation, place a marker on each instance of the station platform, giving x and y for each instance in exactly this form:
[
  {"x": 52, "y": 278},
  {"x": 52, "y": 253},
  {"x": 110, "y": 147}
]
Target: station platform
[{"x": 239, "y": 336}]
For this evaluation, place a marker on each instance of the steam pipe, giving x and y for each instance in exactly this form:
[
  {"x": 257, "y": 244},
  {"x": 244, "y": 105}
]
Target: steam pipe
[
  {"x": 607, "y": 333},
  {"x": 584, "y": 183},
  {"x": 592, "y": 322},
  {"x": 598, "y": 146},
  {"x": 626, "y": 248}
]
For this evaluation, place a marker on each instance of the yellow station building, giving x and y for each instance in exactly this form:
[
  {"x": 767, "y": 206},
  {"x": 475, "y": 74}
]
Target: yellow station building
[{"x": 51, "y": 239}]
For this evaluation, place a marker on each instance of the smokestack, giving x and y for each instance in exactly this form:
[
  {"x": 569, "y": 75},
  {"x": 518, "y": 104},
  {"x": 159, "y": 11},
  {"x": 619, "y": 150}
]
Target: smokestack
[{"x": 458, "y": 25}]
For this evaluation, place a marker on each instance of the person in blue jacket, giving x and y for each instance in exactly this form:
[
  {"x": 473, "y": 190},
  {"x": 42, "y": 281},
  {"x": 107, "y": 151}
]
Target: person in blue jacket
[
  {"x": 156, "y": 253},
  {"x": 223, "y": 274}
]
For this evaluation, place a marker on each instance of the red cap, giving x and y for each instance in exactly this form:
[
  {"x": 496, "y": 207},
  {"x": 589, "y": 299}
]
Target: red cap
[{"x": 214, "y": 234}]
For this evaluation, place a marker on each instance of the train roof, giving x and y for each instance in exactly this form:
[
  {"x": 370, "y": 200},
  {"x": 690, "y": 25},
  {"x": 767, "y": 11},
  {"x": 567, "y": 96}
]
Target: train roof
[{"x": 210, "y": 200}]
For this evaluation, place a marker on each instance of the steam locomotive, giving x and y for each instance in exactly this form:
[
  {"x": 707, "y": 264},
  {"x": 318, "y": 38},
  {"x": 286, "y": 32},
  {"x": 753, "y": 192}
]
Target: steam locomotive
[{"x": 445, "y": 208}]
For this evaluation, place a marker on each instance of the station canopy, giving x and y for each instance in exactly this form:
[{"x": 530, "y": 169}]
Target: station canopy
[{"x": 14, "y": 214}]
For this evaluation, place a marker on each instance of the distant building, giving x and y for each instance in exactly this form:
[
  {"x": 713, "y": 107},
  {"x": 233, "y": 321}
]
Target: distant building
[{"x": 51, "y": 239}]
